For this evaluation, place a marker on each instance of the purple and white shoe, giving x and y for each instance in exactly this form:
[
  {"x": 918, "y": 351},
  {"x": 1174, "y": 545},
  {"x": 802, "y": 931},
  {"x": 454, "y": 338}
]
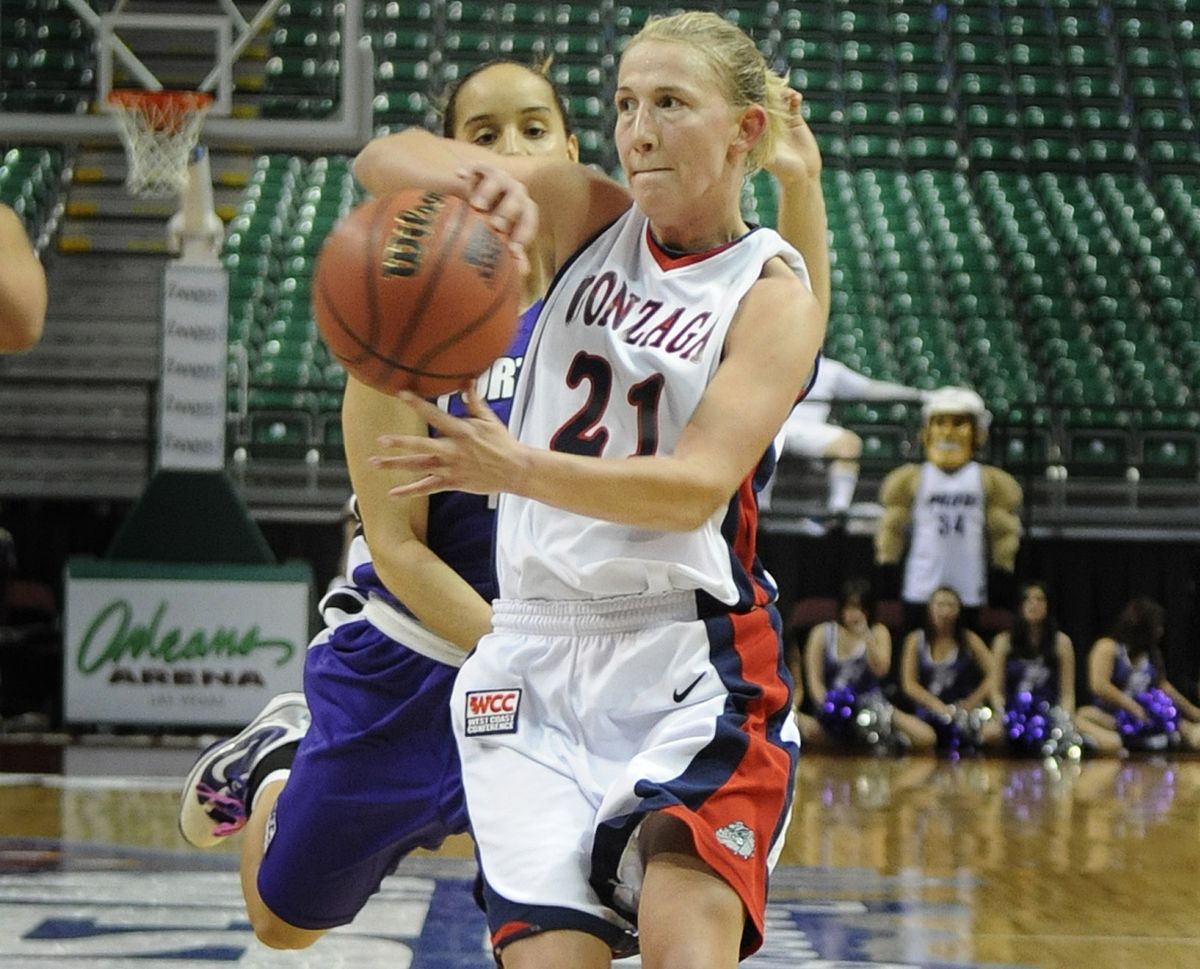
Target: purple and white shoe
[{"x": 213, "y": 803}]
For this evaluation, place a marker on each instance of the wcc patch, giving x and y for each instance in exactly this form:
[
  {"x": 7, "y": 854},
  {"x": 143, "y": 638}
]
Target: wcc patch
[{"x": 492, "y": 712}]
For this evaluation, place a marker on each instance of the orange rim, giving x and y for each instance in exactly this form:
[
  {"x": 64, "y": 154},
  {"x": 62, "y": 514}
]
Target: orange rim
[{"x": 163, "y": 109}]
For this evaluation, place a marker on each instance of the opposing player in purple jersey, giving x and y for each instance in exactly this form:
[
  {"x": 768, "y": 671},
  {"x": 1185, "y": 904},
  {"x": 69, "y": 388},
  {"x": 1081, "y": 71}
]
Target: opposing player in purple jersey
[{"x": 365, "y": 756}]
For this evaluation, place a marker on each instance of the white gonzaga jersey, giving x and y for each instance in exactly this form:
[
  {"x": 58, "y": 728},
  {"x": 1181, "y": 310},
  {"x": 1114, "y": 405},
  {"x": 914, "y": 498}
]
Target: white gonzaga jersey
[
  {"x": 625, "y": 347},
  {"x": 947, "y": 545}
]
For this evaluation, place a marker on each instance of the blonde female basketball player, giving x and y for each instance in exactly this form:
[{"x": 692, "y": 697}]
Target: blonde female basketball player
[{"x": 625, "y": 730}]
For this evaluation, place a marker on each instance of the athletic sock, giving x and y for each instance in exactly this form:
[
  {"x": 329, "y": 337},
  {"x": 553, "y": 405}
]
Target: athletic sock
[
  {"x": 278, "y": 761},
  {"x": 841, "y": 489}
]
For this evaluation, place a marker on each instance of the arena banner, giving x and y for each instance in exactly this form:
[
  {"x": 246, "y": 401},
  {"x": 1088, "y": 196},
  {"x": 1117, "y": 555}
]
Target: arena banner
[
  {"x": 172, "y": 644},
  {"x": 191, "y": 405}
]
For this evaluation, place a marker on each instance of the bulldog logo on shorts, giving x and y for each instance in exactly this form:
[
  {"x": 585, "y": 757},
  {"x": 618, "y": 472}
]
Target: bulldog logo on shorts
[
  {"x": 492, "y": 712},
  {"x": 737, "y": 838}
]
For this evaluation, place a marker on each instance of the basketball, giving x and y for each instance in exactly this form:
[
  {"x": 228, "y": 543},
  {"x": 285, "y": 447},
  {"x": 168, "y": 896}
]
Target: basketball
[{"x": 415, "y": 291}]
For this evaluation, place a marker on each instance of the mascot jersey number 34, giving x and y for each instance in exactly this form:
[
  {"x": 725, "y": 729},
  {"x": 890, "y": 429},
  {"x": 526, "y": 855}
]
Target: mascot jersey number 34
[{"x": 955, "y": 515}]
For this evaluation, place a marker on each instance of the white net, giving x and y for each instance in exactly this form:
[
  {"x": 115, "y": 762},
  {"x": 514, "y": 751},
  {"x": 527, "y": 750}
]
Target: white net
[{"x": 159, "y": 130}]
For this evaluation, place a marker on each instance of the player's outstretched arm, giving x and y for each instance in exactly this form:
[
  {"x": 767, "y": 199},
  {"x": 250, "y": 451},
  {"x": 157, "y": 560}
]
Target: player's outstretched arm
[
  {"x": 570, "y": 202},
  {"x": 22, "y": 287}
]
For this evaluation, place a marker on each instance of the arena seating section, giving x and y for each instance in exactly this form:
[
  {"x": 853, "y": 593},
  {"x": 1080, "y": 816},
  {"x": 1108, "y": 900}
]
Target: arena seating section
[{"x": 1012, "y": 191}]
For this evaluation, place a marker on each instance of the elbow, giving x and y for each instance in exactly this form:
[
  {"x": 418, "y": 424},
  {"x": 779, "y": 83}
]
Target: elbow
[
  {"x": 366, "y": 167},
  {"x": 690, "y": 515},
  {"x": 21, "y": 334}
]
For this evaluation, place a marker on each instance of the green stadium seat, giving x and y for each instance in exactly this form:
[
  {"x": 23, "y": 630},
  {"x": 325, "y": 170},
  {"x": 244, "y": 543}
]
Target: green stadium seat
[
  {"x": 873, "y": 146},
  {"x": 864, "y": 53},
  {"x": 1152, "y": 87},
  {"x": 970, "y": 24},
  {"x": 877, "y": 113},
  {"x": 992, "y": 148},
  {"x": 981, "y": 81},
  {"x": 582, "y": 45},
  {"x": 402, "y": 70},
  {"x": 298, "y": 38},
  {"x": 1024, "y": 25},
  {"x": 1096, "y": 117},
  {"x": 400, "y": 108},
  {"x": 979, "y": 115},
  {"x": 1165, "y": 119},
  {"x": 929, "y": 148},
  {"x": 1091, "y": 55},
  {"x": 1020, "y": 450},
  {"x": 1147, "y": 56},
  {"x": 1109, "y": 151},
  {"x": 301, "y": 75},
  {"x": 975, "y": 52},
  {"x": 915, "y": 54},
  {"x": 523, "y": 45},
  {"x": 1097, "y": 453},
  {"x": 305, "y": 10},
  {"x": 915, "y": 21},
  {"x": 920, "y": 82},
  {"x": 805, "y": 50},
  {"x": 1167, "y": 455},
  {"x": 1099, "y": 85},
  {"x": 928, "y": 114},
  {"x": 859, "y": 81},
  {"x": 1033, "y": 55},
  {"x": 1049, "y": 149},
  {"x": 818, "y": 79},
  {"x": 883, "y": 448},
  {"x": 861, "y": 21},
  {"x": 1051, "y": 115}
]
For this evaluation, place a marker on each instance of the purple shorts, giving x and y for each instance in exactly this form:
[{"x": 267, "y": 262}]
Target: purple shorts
[{"x": 376, "y": 776}]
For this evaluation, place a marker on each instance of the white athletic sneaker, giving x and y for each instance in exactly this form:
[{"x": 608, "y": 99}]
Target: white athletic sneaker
[{"x": 213, "y": 803}]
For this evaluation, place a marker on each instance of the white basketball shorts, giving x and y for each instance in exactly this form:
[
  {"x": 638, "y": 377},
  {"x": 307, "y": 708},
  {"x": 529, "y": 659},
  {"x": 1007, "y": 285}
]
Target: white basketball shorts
[{"x": 576, "y": 719}]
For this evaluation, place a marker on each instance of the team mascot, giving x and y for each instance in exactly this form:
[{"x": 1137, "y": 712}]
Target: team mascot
[{"x": 957, "y": 518}]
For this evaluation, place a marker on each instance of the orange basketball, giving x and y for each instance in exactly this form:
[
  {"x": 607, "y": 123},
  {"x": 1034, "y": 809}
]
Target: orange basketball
[{"x": 415, "y": 291}]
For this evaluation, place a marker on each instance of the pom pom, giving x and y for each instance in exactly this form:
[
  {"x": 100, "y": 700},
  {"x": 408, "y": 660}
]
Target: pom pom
[
  {"x": 1160, "y": 729},
  {"x": 836, "y": 714},
  {"x": 1037, "y": 728},
  {"x": 962, "y": 735},
  {"x": 859, "y": 721}
]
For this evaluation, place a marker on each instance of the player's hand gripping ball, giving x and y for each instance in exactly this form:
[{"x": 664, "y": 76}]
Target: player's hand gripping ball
[{"x": 415, "y": 291}]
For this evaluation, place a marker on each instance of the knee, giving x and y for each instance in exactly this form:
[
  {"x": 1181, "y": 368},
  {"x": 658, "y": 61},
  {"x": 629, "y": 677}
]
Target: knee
[
  {"x": 275, "y": 933},
  {"x": 847, "y": 446}
]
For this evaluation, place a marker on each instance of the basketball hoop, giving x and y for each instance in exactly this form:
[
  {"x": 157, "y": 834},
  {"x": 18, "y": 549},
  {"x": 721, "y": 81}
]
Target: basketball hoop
[{"x": 159, "y": 130}]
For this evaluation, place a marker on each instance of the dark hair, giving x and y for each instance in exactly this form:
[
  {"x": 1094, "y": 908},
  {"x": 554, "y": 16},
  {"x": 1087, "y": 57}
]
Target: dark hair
[
  {"x": 1023, "y": 645},
  {"x": 857, "y": 592},
  {"x": 960, "y": 627},
  {"x": 449, "y": 99},
  {"x": 1139, "y": 629}
]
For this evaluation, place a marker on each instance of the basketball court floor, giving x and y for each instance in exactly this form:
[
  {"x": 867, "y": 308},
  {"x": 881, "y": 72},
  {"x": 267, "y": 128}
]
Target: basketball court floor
[{"x": 889, "y": 863}]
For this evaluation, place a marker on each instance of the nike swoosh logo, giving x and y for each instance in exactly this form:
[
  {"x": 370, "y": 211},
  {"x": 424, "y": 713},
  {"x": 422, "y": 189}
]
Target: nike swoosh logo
[{"x": 680, "y": 695}]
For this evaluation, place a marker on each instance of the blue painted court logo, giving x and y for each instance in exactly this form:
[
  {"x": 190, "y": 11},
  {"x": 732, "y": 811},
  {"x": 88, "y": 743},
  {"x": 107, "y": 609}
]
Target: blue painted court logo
[{"x": 95, "y": 907}]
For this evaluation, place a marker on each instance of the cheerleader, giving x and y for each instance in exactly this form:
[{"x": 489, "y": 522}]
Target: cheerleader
[
  {"x": 846, "y": 660},
  {"x": 1034, "y": 689},
  {"x": 1131, "y": 692},
  {"x": 947, "y": 671}
]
